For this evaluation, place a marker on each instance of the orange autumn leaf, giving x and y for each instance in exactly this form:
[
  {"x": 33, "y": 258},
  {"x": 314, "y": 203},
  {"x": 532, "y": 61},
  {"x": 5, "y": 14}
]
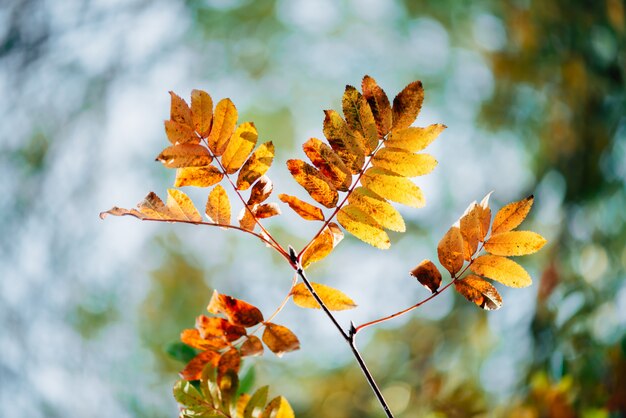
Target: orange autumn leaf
[
  {"x": 379, "y": 104},
  {"x": 378, "y": 208},
  {"x": 202, "y": 111},
  {"x": 181, "y": 206},
  {"x": 241, "y": 144},
  {"x": 185, "y": 155},
  {"x": 322, "y": 245},
  {"x": 180, "y": 111},
  {"x": 192, "y": 338},
  {"x": 328, "y": 163},
  {"x": 267, "y": 210},
  {"x": 315, "y": 183},
  {"x": 198, "y": 176},
  {"x": 393, "y": 186},
  {"x": 359, "y": 117},
  {"x": 346, "y": 143},
  {"x": 335, "y": 300},
  {"x": 193, "y": 369},
  {"x": 247, "y": 217},
  {"x": 237, "y": 311},
  {"x": 280, "y": 339},
  {"x": 261, "y": 190},
  {"x": 218, "y": 206},
  {"x": 252, "y": 346},
  {"x": 256, "y": 166},
  {"x": 224, "y": 121},
  {"x": 304, "y": 209},
  {"x": 428, "y": 275},
  {"x": 479, "y": 291},
  {"x": 214, "y": 327},
  {"x": 514, "y": 243},
  {"x": 229, "y": 361},
  {"x": 407, "y": 105},
  {"x": 511, "y": 215},
  {"x": 450, "y": 250},
  {"x": 179, "y": 133},
  {"x": 501, "y": 269},
  {"x": 363, "y": 226}
]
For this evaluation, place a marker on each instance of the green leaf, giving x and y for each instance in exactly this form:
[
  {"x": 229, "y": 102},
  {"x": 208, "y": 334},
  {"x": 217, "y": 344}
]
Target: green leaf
[
  {"x": 256, "y": 403},
  {"x": 187, "y": 395}
]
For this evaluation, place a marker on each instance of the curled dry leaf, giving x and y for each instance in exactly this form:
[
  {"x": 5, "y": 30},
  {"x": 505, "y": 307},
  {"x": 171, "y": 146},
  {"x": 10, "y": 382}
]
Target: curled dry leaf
[
  {"x": 198, "y": 176},
  {"x": 428, "y": 275},
  {"x": 407, "y": 104},
  {"x": 414, "y": 139},
  {"x": 261, "y": 190},
  {"x": 237, "y": 311},
  {"x": 256, "y": 166},
  {"x": 515, "y": 243},
  {"x": 378, "y": 208},
  {"x": 252, "y": 346},
  {"x": 241, "y": 144},
  {"x": 193, "y": 369},
  {"x": 346, "y": 143},
  {"x": 322, "y": 245},
  {"x": 305, "y": 210},
  {"x": 280, "y": 339},
  {"x": 379, "y": 104},
  {"x": 450, "y": 250},
  {"x": 247, "y": 217},
  {"x": 394, "y": 187},
  {"x": 363, "y": 226},
  {"x": 185, "y": 155},
  {"x": 229, "y": 361},
  {"x": 218, "y": 206},
  {"x": 213, "y": 327},
  {"x": 278, "y": 408},
  {"x": 329, "y": 163},
  {"x": 471, "y": 230},
  {"x": 224, "y": 121},
  {"x": 180, "y": 111},
  {"x": 510, "y": 216},
  {"x": 479, "y": 291},
  {"x": 192, "y": 338},
  {"x": 267, "y": 210},
  {"x": 360, "y": 118},
  {"x": 403, "y": 162},
  {"x": 334, "y": 299},
  {"x": 314, "y": 182},
  {"x": 202, "y": 111},
  {"x": 153, "y": 207},
  {"x": 181, "y": 207},
  {"x": 501, "y": 269},
  {"x": 179, "y": 133}
]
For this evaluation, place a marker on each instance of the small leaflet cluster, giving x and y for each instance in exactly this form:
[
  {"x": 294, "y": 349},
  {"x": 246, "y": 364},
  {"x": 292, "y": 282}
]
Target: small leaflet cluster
[
  {"x": 223, "y": 340},
  {"x": 465, "y": 240}
]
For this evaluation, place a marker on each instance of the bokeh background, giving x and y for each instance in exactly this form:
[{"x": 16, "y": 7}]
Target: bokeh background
[{"x": 533, "y": 94}]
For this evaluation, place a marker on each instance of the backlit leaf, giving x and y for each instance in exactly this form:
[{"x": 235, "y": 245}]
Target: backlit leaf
[
  {"x": 153, "y": 207},
  {"x": 379, "y": 104},
  {"x": 224, "y": 121},
  {"x": 329, "y": 163},
  {"x": 193, "y": 369},
  {"x": 450, "y": 250},
  {"x": 359, "y": 117},
  {"x": 117, "y": 211},
  {"x": 252, "y": 347},
  {"x": 202, "y": 111},
  {"x": 428, "y": 275},
  {"x": 479, "y": 291},
  {"x": 242, "y": 402},
  {"x": 228, "y": 383},
  {"x": 471, "y": 229},
  {"x": 239, "y": 147},
  {"x": 218, "y": 206},
  {"x": 256, "y": 403},
  {"x": 314, "y": 182},
  {"x": 180, "y": 111},
  {"x": 192, "y": 338},
  {"x": 261, "y": 190},
  {"x": 392, "y": 186},
  {"x": 267, "y": 210},
  {"x": 214, "y": 327},
  {"x": 256, "y": 166},
  {"x": 186, "y": 394},
  {"x": 247, "y": 218},
  {"x": 334, "y": 299},
  {"x": 278, "y": 408},
  {"x": 510, "y": 216},
  {"x": 237, "y": 311},
  {"x": 484, "y": 216},
  {"x": 347, "y": 144},
  {"x": 179, "y": 133},
  {"x": 406, "y": 105},
  {"x": 305, "y": 210},
  {"x": 414, "y": 139},
  {"x": 185, "y": 155},
  {"x": 280, "y": 339},
  {"x": 403, "y": 162},
  {"x": 322, "y": 245},
  {"x": 501, "y": 269},
  {"x": 363, "y": 226},
  {"x": 515, "y": 243},
  {"x": 198, "y": 176},
  {"x": 378, "y": 208},
  {"x": 181, "y": 206},
  {"x": 230, "y": 360}
]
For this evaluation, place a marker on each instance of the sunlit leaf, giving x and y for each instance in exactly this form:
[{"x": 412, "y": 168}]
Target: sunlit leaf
[
  {"x": 314, "y": 182},
  {"x": 479, "y": 291},
  {"x": 279, "y": 339},
  {"x": 378, "y": 208},
  {"x": 334, "y": 299},
  {"x": 179, "y": 133},
  {"x": 403, "y": 162},
  {"x": 363, "y": 226},
  {"x": 414, "y": 139},
  {"x": 278, "y": 408},
  {"x": 230, "y": 360},
  {"x": 192, "y": 338},
  {"x": 407, "y": 104},
  {"x": 181, "y": 206},
  {"x": 394, "y": 187},
  {"x": 213, "y": 327},
  {"x": 241, "y": 144},
  {"x": 501, "y": 269},
  {"x": 379, "y": 104},
  {"x": 329, "y": 163},
  {"x": 256, "y": 403},
  {"x": 261, "y": 190},
  {"x": 428, "y": 275},
  {"x": 359, "y": 117},
  {"x": 198, "y": 176},
  {"x": 237, "y": 311},
  {"x": 450, "y": 250},
  {"x": 267, "y": 210},
  {"x": 186, "y": 394},
  {"x": 185, "y": 155},
  {"x": 202, "y": 111},
  {"x": 471, "y": 229},
  {"x": 510, "y": 216},
  {"x": 252, "y": 347},
  {"x": 305, "y": 210},
  {"x": 484, "y": 216},
  {"x": 218, "y": 206},
  {"x": 322, "y": 245},
  {"x": 208, "y": 385},
  {"x": 193, "y": 369},
  {"x": 247, "y": 219},
  {"x": 224, "y": 121},
  {"x": 515, "y": 243},
  {"x": 180, "y": 111},
  {"x": 242, "y": 402},
  {"x": 347, "y": 144},
  {"x": 256, "y": 166}
]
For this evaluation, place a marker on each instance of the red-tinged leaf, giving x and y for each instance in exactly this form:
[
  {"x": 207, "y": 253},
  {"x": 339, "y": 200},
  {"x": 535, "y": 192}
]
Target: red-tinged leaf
[
  {"x": 179, "y": 133},
  {"x": 193, "y": 369},
  {"x": 247, "y": 217},
  {"x": 359, "y": 117},
  {"x": 251, "y": 347},
  {"x": 407, "y": 104},
  {"x": 185, "y": 155},
  {"x": 202, "y": 111},
  {"x": 237, "y": 311},
  {"x": 280, "y": 339},
  {"x": 450, "y": 250},
  {"x": 267, "y": 210},
  {"x": 224, "y": 121},
  {"x": 192, "y": 338},
  {"x": 329, "y": 163},
  {"x": 323, "y": 245},
  {"x": 212, "y": 327},
  {"x": 180, "y": 111},
  {"x": 315, "y": 183},
  {"x": 305, "y": 210},
  {"x": 479, "y": 291},
  {"x": 230, "y": 361},
  {"x": 510, "y": 216},
  {"x": 428, "y": 275},
  {"x": 347, "y": 144},
  {"x": 379, "y": 104},
  {"x": 261, "y": 190}
]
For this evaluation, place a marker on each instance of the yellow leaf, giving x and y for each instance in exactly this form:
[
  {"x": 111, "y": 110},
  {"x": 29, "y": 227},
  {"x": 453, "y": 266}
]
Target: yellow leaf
[
  {"x": 242, "y": 402},
  {"x": 314, "y": 182},
  {"x": 479, "y": 291},
  {"x": 379, "y": 104},
  {"x": 329, "y": 163},
  {"x": 239, "y": 147},
  {"x": 178, "y": 133},
  {"x": 378, "y": 208},
  {"x": 267, "y": 210},
  {"x": 224, "y": 121},
  {"x": 252, "y": 346},
  {"x": 392, "y": 186},
  {"x": 471, "y": 229},
  {"x": 305, "y": 210},
  {"x": 152, "y": 206},
  {"x": 279, "y": 339},
  {"x": 414, "y": 139},
  {"x": 218, "y": 206},
  {"x": 403, "y": 162},
  {"x": 360, "y": 118},
  {"x": 181, "y": 206},
  {"x": 185, "y": 155},
  {"x": 510, "y": 216},
  {"x": 261, "y": 190},
  {"x": 334, "y": 299},
  {"x": 514, "y": 243},
  {"x": 202, "y": 111},
  {"x": 502, "y": 270},
  {"x": 198, "y": 176},
  {"x": 179, "y": 110},
  {"x": 256, "y": 166},
  {"x": 347, "y": 144},
  {"x": 428, "y": 275},
  {"x": 322, "y": 245},
  {"x": 247, "y": 218},
  {"x": 278, "y": 408},
  {"x": 363, "y": 226},
  {"x": 406, "y": 105},
  {"x": 450, "y": 250}
]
